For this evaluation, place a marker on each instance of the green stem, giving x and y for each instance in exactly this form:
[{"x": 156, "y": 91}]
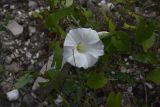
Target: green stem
[{"x": 103, "y": 34}]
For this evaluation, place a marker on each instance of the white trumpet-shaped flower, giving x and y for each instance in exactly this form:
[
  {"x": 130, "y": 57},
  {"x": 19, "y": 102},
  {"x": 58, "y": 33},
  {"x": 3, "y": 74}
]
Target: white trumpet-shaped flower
[{"x": 82, "y": 47}]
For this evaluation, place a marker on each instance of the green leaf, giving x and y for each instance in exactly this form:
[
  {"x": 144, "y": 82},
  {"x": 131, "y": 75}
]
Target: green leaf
[
  {"x": 1, "y": 69},
  {"x": 147, "y": 58},
  {"x": 112, "y": 27},
  {"x": 154, "y": 76},
  {"x": 53, "y": 75},
  {"x": 57, "y": 60},
  {"x": 23, "y": 81},
  {"x": 121, "y": 41},
  {"x": 108, "y": 45},
  {"x": 52, "y": 21},
  {"x": 149, "y": 43},
  {"x": 96, "y": 80},
  {"x": 127, "y": 26},
  {"x": 68, "y": 86},
  {"x": 87, "y": 13},
  {"x": 144, "y": 30},
  {"x": 114, "y": 100},
  {"x": 69, "y": 3},
  {"x": 36, "y": 15},
  {"x": 120, "y": 1},
  {"x": 53, "y": 2},
  {"x": 56, "y": 16}
]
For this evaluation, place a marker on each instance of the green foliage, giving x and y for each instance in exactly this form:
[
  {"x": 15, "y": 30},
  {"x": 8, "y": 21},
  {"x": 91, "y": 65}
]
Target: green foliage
[
  {"x": 68, "y": 3},
  {"x": 57, "y": 60},
  {"x": 147, "y": 58},
  {"x": 36, "y": 15},
  {"x": 128, "y": 26},
  {"x": 52, "y": 21},
  {"x": 55, "y": 78},
  {"x": 23, "y": 81},
  {"x": 114, "y": 99},
  {"x": 1, "y": 69},
  {"x": 112, "y": 27},
  {"x": 121, "y": 41},
  {"x": 149, "y": 42},
  {"x": 120, "y": 1},
  {"x": 154, "y": 76},
  {"x": 108, "y": 45},
  {"x": 145, "y": 30},
  {"x": 87, "y": 13},
  {"x": 96, "y": 80},
  {"x": 56, "y": 16},
  {"x": 124, "y": 78}
]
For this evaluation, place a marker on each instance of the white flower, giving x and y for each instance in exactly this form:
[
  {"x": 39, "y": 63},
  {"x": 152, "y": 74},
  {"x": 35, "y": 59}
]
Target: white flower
[
  {"x": 13, "y": 95},
  {"x": 82, "y": 47}
]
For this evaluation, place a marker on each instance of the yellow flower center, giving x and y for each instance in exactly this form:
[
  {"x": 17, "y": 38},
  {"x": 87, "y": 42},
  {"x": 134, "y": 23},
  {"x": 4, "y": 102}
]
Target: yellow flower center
[{"x": 80, "y": 47}]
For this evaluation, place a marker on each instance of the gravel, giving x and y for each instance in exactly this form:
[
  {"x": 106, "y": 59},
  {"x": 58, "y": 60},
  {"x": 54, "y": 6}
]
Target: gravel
[
  {"x": 13, "y": 95},
  {"x": 15, "y": 28},
  {"x": 32, "y": 5}
]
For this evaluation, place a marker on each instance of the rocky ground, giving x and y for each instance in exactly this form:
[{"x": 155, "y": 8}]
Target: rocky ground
[
  {"x": 24, "y": 47},
  {"x": 23, "y": 43}
]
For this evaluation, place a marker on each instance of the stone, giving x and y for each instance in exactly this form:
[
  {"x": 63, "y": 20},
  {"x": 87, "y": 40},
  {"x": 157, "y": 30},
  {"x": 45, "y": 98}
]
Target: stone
[
  {"x": 31, "y": 29},
  {"x": 28, "y": 55},
  {"x": 149, "y": 85},
  {"x": 58, "y": 100},
  {"x": 107, "y": 7},
  {"x": 123, "y": 69},
  {"x": 32, "y": 4},
  {"x": 28, "y": 100},
  {"x": 13, "y": 95},
  {"x": 12, "y": 7},
  {"x": 6, "y": 86},
  {"x": 130, "y": 89},
  {"x": 15, "y": 28},
  {"x": 130, "y": 57},
  {"x": 13, "y": 67},
  {"x": 8, "y": 59},
  {"x": 37, "y": 81},
  {"x": 125, "y": 59},
  {"x": 47, "y": 66}
]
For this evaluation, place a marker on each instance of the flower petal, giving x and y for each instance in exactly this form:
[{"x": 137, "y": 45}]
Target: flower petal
[
  {"x": 67, "y": 51},
  {"x": 79, "y": 60},
  {"x": 89, "y": 40},
  {"x": 73, "y": 37},
  {"x": 82, "y": 60},
  {"x": 91, "y": 60},
  {"x": 89, "y": 36},
  {"x": 69, "y": 41},
  {"x": 96, "y": 49}
]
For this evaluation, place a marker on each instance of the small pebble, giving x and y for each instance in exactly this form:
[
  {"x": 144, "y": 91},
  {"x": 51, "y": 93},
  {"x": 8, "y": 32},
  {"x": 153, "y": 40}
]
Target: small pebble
[
  {"x": 149, "y": 85},
  {"x": 125, "y": 59},
  {"x": 58, "y": 100},
  {"x": 127, "y": 63},
  {"x": 32, "y": 4},
  {"x": 19, "y": 12},
  {"x": 123, "y": 69},
  {"x": 28, "y": 55},
  {"x": 12, "y": 7},
  {"x": 131, "y": 57},
  {"x": 32, "y": 29},
  {"x": 15, "y": 28},
  {"x": 8, "y": 59},
  {"x": 130, "y": 89},
  {"x": 13, "y": 95}
]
